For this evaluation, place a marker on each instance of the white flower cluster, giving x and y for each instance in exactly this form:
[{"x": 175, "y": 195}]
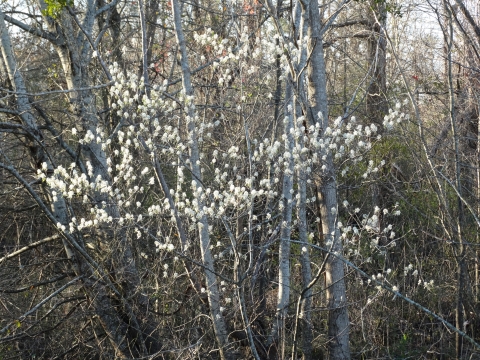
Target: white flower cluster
[
  {"x": 234, "y": 182},
  {"x": 428, "y": 285},
  {"x": 226, "y": 57},
  {"x": 367, "y": 227},
  {"x": 230, "y": 189},
  {"x": 394, "y": 117}
]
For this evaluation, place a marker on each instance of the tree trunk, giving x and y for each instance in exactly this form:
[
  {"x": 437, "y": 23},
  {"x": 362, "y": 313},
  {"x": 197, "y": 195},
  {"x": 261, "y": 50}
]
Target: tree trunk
[
  {"x": 338, "y": 322},
  {"x": 303, "y": 175},
  {"x": 218, "y": 320},
  {"x": 376, "y": 101},
  {"x": 283, "y": 293}
]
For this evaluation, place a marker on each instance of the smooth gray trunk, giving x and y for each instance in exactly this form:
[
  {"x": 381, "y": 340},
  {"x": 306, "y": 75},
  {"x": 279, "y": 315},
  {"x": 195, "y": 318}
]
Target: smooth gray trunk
[
  {"x": 213, "y": 293},
  {"x": 302, "y": 177},
  {"x": 338, "y": 321},
  {"x": 283, "y": 293}
]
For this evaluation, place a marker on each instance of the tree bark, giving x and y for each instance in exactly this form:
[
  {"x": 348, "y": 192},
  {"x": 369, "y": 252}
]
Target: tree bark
[
  {"x": 303, "y": 175},
  {"x": 376, "y": 101},
  {"x": 338, "y": 322},
  {"x": 213, "y": 293},
  {"x": 283, "y": 293}
]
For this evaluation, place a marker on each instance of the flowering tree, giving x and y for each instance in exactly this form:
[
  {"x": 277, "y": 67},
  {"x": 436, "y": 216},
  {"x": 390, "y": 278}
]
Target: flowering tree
[{"x": 185, "y": 171}]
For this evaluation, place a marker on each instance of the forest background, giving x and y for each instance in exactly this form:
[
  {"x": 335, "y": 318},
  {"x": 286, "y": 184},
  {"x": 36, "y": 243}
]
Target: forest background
[{"x": 239, "y": 179}]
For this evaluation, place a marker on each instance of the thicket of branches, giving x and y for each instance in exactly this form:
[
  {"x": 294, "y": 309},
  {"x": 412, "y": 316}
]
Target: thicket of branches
[{"x": 239, "y": 179}]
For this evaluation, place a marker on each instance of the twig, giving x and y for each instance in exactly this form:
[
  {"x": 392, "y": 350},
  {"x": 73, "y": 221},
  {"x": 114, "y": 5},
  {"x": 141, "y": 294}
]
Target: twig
[
  {"x": 41, "y": 303},
  {"x": 28, "y": 247}
]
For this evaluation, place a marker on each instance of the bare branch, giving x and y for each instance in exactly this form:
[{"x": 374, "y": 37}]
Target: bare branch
[
  {"x": 66, "y": 91},
  {"x": 107, "y": 7},
  {"x": 41, "y": 303},
  {"x": 29, "y": 247},
  {"x": 31, "y": 286},
  {"x": 33, "y": 30},
  {"x": 396, "y": 293}
]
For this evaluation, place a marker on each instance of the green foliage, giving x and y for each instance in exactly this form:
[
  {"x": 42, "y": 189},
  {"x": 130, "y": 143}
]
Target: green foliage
[
  {"x": 55, "y": 7},
  {"x": 402, "y": 349}
]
